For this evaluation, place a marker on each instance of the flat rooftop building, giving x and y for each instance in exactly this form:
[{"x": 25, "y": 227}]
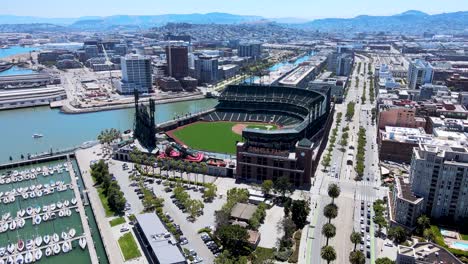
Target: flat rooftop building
[{"x": 159, "y": 245}]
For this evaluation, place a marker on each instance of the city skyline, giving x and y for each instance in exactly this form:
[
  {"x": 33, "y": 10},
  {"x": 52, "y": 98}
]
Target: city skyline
[{"x": 296, "y": 8}]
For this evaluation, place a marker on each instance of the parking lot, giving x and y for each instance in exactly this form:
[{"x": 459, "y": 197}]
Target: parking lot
[{"x": 188, "y": 229}]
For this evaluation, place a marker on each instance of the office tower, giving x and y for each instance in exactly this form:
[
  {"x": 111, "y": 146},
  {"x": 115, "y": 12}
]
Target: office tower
[
  {"x": 420, "y": 72},
  {"x": 136, "y": 74},
  {"x": 177, "y": 61},
  {"x": 91, "y": 51},
  {"x": 206, "y": 69}
]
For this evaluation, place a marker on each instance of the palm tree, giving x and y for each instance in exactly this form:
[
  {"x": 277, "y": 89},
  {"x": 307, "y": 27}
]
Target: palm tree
[
  {"x": 329, "y": 231},
  {"x": 357, "y": 257},
  {"x": 429, "y": 235},
  {"x": 152, "y": 160},
  {"x": 328, "y": 253},
  {"x": 423, "y": 222},
  {"x": 330, "y": 211},
  {"x": 355, "y": 238},
  {"x": 333, "y": 191}
]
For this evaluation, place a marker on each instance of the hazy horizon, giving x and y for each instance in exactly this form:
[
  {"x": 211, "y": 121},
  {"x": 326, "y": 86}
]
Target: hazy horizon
[{"x": 270, "y": 9}]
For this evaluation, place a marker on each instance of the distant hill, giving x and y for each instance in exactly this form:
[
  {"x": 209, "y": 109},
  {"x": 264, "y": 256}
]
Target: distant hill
[{"x": 411, "y": 21}]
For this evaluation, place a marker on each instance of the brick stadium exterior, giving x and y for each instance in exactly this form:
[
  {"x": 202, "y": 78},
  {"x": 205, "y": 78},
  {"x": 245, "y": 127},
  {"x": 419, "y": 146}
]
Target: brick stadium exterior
[{"x": 294, "y": 150}]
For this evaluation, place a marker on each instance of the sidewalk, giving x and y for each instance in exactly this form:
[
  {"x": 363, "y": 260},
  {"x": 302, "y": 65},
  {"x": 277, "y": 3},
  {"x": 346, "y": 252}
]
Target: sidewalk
[{"x": 83, "y": 158}]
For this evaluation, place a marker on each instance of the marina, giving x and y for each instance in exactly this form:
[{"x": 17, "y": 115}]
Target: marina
[{"x": 42, "y": 217}]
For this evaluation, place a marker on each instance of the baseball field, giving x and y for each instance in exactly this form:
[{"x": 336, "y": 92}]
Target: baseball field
[{"x": 218, "y": 137}]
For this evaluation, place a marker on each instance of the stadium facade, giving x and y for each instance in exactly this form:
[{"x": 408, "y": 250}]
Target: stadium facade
[{"x": 293, "y": 150}]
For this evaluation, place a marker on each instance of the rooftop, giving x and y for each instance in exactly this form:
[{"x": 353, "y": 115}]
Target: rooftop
[
  {"x": 243, "y": 211},
  {"x": 155, "y": 231},
  {"x": 404, "y": 190}
]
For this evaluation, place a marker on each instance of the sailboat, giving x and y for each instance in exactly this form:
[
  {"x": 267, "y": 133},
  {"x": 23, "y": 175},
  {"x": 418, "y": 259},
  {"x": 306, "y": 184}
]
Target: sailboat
[
  {"x": 72, "y": 232},
  {"x": 46, "y": 239},
  {"x": 37, "y": 135},
  {"x": 38, "y": 254},
  {"x": 82, "y": 242},
  {"x": 56, "y": 249},
  {"x": 48, "y": 251},
  {"x": 38, "y": 241}
]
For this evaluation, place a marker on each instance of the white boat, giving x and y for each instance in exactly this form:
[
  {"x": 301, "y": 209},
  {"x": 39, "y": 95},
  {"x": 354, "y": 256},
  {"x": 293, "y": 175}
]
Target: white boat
[
  {"x": 37, "y": 254},
  {"x": 37, "y": 219},
  {"x": 8, "y": 180},
  {"x": 82, "y": 242},
  {"x": 45, "y": 208},
  {"x": 11, "y": 248},
  {"x": 21, "y": 213},
  {"x": 65, "y": 247},
  {"x": 72, "y": 232},
  {"x": 19, "y": 259},
  {"x": 28, "y": 257},
  {"x": 38, "y": 169},
  {"x": 46, "y": 239},
  {"x": 25, "y": 195},
  {"x": 52, "y": 207},
  {"x": 73, "y": 201},
  {"x": 33, "y": 176},
  {"x": 32, "y": 195},
  {"x": 55, "y": 237},
  {"x": 29, "y": 244},
  {"x": 39, "y": 193},
  {"x": 64, "y": 236},
  {"x": 12, "y": 225},
  {"x": 6, "y": 216},
  {"x": 33, "y": 170},
  {"x": 48, "y": 251},
  {"x": 10, "y": 260},
  {"x": 29, "y": 210},
  {"x": 59, "y": 205},
  {"x": 21, "y": 222},
  {"x": 66, "y": 203},
  {"x": 38, "y": 241},
  {"x": 69, "y": 212},
  {"x": 56, "y": 249},
  {"x": 61, "y": 213},
  {"x": 37, "y": 209},
  {"x": 12, "y": 199},
  {"x": 2, "y": 251},
  {"x": 45, "y": 217},
  {"x": 4, "y": 227}
]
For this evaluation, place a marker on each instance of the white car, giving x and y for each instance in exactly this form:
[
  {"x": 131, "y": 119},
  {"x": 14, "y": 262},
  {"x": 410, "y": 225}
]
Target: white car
[{"x": 197, "y": 259}]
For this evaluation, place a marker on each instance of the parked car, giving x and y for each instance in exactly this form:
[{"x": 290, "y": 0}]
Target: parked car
[{"x": 124, "y": 229}]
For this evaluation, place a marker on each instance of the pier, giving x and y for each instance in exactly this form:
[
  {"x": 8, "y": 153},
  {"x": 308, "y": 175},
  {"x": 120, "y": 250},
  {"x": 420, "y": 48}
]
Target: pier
[{"x": 84, "y": 221}]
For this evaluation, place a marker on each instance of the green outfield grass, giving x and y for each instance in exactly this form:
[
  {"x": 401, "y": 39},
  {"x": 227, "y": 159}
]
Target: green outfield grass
[{"x": 210, "y": 136}]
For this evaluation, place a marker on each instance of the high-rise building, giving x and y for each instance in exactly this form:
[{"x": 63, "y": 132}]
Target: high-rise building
[
  {"x": 206, "y": 69},
  {"x": 136, "y": 74},
  {"x": 91, "y": 51},
  {"x": 177, "y": 61},
  {"x": 252, "y": 50},
  {"x": 420, "y": 72},
  {"x": 439, "y": 174}
]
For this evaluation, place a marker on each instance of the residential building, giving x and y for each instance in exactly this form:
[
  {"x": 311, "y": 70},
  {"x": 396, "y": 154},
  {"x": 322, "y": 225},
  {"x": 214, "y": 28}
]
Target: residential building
[
  {"x": 420, "y": 72},
  {"x": 177, "y": 61},
  {"x": 336, "y": 86},
  {"x": 136, "y": 74},
  {"x": 206, "y": 69},
  {"x": 252, "y": 50},
  {"x": 439, "y": 174},
  {"x": 397, "y": 143},
  {"x": 405, "y": 207},
  {"x": 458, "y": 82},
  {"x": 400, "y": 116}
]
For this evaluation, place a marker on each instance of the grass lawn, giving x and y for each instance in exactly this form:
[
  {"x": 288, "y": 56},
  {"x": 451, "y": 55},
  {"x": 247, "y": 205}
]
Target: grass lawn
[
  {"x": 263, "y": 254},
  {"x": 117, "y": 221},
  {"x": 129, "y": 247},
  {"x": 464, "y": 237},
  {"x": 210, "y": 136},
  {"x": 103, "y": 198}
]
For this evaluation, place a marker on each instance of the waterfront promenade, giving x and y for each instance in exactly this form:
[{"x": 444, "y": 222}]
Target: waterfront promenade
[
  {"x": 84, "y": 157},
  {"x": 84, "y": 221}
]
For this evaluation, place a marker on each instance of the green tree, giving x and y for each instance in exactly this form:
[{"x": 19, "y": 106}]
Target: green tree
[
  {"x": 355, "y": 238},
  {"x": 328, "y": 253},
  {"x": 267, "y": 186},
  {"x": 329, "y": 231},
  {"x": 334, "y": 191},
  {"x": 423, "y": 222},
  {"x": 429, "y": 235},
  {"x": 210, "y": 192},
  {"x": 300, "y": 210},
  {"x": 397, "y": 234},
  {"x": 282, "y": 185},
  {"x": 330, "y": 211},
  {"x": 357, "y": 257},
  {"x": 380, "y": 221},
  {"x": 233, "y": 238},
  {"x": 384, "y": 261},
  {"x": 194, "y": 207}
]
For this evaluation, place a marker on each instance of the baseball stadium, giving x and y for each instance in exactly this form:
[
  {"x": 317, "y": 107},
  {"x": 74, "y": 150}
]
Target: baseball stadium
[{"x": 273, "y": 130}]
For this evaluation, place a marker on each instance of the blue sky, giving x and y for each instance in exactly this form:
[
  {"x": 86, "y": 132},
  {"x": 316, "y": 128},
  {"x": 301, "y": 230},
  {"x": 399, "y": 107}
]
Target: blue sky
[{"x": 266, "y": 8}]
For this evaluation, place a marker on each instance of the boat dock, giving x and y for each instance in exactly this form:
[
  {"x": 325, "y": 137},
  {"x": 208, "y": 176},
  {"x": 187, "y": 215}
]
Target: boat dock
[
  {"x": 84, "y": 221},
  {"x": 40, "y": 214},
  {"x": 42, "y": 247}
]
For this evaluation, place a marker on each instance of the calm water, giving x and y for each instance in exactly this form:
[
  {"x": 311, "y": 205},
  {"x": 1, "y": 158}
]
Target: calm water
[
  {"x": 16, "y": 50},
  {"x": 15, "y": 71},
  {"x": 64, "y": 131},
  {"x": 298, "y": 61}
]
